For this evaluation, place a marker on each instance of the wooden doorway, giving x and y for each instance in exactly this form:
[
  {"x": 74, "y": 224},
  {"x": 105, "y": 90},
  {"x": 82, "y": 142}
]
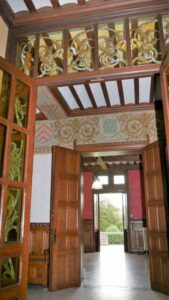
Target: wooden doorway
[{"x": 17, "y": 121}]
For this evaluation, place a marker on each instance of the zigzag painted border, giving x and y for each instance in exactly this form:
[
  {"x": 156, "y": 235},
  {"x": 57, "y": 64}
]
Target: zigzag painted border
[{"x": 42, "y": 150}]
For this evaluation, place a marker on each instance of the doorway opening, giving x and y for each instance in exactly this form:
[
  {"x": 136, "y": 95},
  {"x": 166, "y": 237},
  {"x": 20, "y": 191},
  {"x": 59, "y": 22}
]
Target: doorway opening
[{"x": 110, "y": 219}]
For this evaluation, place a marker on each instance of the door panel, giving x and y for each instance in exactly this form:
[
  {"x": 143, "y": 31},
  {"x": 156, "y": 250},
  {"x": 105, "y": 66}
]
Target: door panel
[
  {"x": 164, "y": 75},
  {"x": 156, "y": 219},
  {"x": 17, "y": 121},
  {"x": 65, "y": 220}
]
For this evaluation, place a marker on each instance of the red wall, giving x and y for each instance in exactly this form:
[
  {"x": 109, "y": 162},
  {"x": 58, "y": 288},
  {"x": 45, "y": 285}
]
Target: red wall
[
  {"x": 136, "y": 202},
  {"x": 88, "y": 197}
]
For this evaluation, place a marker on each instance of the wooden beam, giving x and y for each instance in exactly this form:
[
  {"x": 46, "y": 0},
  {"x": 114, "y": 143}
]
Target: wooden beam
[
  {"x": 96, "y": 48},
  {"x": 6, "y": 12},
  {"x": 112, "y": 168},
  {"x": 136, "y": 90},
  {"x": 112, "y": 109},
  {"x": 78, "y": 101},
  {"x": 94, "y": 76},
  {"x": 58, "y": 96},
  {"x": 91, "y": 36},
  {"x": 41, "y": 116},
  {"x": 161, "y": 35},
  {"x": 30, "y": 5},
  {"x": 122, "y": 147},
  {"x": 113, "y": 158},
  {"x": 105, "y": 93},
  {"x": 81, "y": 2},
  {"x": 90, "y": 94},
  {"x": 121, "y": 94},
  {"x": 80, "y": 15},
  {"x": 152, "y": 90},
  {"x": 55, "y": 3},
  {"x": 127, "y": 37}
]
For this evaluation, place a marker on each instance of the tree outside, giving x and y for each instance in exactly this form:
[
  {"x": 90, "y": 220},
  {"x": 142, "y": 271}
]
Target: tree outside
[{"x": 111, "y": 217}]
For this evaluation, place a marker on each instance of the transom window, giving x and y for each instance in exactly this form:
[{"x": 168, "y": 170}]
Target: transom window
[{"x": 118, "y": 179}]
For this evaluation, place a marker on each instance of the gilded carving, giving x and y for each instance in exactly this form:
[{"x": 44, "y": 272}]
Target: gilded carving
[
  {"x": 112, "y": 50},
  {"x": 145, "y": 40},
  {"x": 80, "y": 52}
]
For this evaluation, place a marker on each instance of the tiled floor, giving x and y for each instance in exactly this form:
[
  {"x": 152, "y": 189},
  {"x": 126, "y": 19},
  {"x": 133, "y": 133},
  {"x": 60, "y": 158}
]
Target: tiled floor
[{"x": 108, "y": 275}]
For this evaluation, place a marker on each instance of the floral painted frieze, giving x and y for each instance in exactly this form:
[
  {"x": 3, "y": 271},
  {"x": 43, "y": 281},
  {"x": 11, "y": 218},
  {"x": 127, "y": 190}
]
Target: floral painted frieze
[{"x": 120, "y": 127}]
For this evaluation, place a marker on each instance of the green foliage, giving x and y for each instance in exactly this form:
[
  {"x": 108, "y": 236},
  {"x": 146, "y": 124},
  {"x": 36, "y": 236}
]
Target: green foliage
[
  {"x": 112, "y": 228},
  {"x": 116, "y": 238},
  {"x": 110, "y": 217}
]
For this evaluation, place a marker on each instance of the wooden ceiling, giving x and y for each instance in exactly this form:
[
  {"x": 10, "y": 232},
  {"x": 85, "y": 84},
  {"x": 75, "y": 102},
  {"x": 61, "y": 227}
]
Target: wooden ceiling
[
  {"x": 103, "y": 96},
  {"x": 108, "y": 161},
  {"x": 46, "y": 12}
]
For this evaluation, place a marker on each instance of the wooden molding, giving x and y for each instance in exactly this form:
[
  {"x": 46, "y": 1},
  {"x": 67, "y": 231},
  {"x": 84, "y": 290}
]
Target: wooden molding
[{"x": 87, "y": 13}]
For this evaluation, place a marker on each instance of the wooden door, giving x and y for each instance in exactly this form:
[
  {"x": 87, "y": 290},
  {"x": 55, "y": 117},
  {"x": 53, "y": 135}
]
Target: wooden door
[
  {"x": 65, "y": 220},
  {"x": 17, "y": 120},
  {"x": 164, "y": 75},
  {"x": 156, "y": 218}
]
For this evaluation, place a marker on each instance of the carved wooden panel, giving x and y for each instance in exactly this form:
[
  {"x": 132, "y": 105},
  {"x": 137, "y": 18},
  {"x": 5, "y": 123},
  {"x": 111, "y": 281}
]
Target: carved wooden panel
[
  {"x": 38, "y": 272},
  {"x": 38, "y": 254},
  {"x": 88, "y": 236},
  {"x": 136, "y": 236},
  {"x": 38, "y": 240}
]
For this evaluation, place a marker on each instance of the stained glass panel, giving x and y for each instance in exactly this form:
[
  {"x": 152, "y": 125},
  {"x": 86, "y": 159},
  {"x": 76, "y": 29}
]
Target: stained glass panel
[
  {"x": 166, "y": 31},
  {"x": 144, "y": 40},
  {"x": 2, "y": 146},
  {"x": 25, "y": 55},
  {"x": 5, "y": 87},
  {"x": 51, "y": 54},
  {"x": 112, "y": 49},
  {"x": 13, "y": 215},
  {"x": 21, "y": 103},
  {"x": 9, "y": 272},
  {"x": 80, "y": 54},
  {"x": 16, "y": 167}
]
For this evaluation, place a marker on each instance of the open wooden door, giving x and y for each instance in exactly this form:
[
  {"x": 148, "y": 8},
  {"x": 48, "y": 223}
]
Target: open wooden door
[
  {"x": 164, "y": 75},
  {"x": 17, "y": 121},
  {"x": 156, "y": 219},
  {"x": 65, "y": 239}
]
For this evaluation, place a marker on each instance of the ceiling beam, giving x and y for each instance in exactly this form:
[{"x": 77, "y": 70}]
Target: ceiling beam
[
  {"x": 31, "y": 7},
  {"x": 55, "y": 3},
  {"x": 112, "y": 109},
  {"x": 81, "y": 2},
  {"x": 119, "y": 168},
  {"x": 105, "y": 93},
  {"x": 136, "y": 90},
  {"x": 6, "y": 13},
  {"x": 58, "y": 96},
  {"x": 152, "y": 94},
  {"x": 121, "y": 94},
  {"x": 98, "y": 75},
  {"x": 129, "y": 147},
  {"x": 90, "y": 13},
  {"x": 90, "y": 94},
  {"x": 41, "y": 116},
  {"x": 78, "y": 101},
  {"x": 113, "y": 158}
]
